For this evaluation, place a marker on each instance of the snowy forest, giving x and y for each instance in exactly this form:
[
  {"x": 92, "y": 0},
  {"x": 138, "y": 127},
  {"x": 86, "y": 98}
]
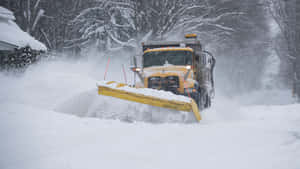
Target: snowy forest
[{"x": 247, "y": 37}]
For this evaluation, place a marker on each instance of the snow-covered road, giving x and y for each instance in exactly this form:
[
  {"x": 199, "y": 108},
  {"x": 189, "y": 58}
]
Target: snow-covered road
[{"x": 35, "y": 135}]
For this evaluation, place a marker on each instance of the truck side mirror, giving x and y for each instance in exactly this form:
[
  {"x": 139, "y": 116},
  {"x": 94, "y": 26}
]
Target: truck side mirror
[
  {"x": 135, "y": 69},
  {"x": 134, "y": 66},
  {"x": 133, "y": 61}
]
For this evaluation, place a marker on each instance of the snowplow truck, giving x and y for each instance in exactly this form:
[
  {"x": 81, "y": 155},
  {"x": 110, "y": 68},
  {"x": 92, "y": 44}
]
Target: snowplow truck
[{"x": 182, "y": 68}]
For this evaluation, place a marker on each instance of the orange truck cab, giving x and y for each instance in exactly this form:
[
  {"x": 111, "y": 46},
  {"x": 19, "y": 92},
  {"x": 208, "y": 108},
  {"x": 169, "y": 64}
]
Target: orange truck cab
[{"x": 181, "y": 67}]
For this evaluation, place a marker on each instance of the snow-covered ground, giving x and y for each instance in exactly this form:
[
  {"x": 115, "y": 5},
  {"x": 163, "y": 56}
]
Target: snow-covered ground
[{"x": 35, "y": 134}]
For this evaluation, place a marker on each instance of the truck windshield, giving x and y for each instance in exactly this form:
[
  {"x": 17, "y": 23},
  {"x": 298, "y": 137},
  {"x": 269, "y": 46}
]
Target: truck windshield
[{"x": 159, "y": 58}]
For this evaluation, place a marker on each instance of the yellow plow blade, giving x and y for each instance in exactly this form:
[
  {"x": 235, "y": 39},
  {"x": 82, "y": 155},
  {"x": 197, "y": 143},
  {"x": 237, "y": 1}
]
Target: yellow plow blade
[{"x": 117, "y": 92}]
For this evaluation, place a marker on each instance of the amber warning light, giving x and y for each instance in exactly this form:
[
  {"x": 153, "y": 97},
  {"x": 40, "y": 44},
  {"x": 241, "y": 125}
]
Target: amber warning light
[{"x": 191, "y": 36}]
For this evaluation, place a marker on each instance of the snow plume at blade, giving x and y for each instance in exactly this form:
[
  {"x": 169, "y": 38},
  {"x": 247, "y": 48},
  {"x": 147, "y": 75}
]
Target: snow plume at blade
[
  {"x": 90, "y": 104},
  {"x": 52, "y": 81}
]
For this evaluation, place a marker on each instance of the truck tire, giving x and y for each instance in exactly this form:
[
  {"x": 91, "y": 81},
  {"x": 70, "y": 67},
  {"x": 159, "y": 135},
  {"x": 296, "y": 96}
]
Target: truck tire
[{"x": 208, "y": 102}]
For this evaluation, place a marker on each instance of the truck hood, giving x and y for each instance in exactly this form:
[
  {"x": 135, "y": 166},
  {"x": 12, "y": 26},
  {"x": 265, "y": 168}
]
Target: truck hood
[{"x": 166, "y": 70}]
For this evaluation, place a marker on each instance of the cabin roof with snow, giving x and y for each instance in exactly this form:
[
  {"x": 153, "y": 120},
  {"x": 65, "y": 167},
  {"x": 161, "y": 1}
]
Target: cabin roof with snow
[
  {"x": 11, "y": 35},
  {"x": 192, "y": 43}
]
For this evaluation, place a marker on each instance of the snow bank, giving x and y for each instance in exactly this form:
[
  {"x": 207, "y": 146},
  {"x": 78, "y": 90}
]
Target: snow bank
[
  {"x": 34, "y": 138},
  {"x": 6, "y": 14},
  {"x": 274, "y": 96},
  {"x": 11, "y": 33}
]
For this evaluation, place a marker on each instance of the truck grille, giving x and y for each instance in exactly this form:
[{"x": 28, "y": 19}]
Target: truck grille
[{"x": 169, "y": 83}]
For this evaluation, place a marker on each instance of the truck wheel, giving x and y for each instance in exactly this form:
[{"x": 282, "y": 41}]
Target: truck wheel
[
  {"x": 201, "y": 102},
  {"x": 208, "y": 101},
  {"x": 197, "y": 98}
]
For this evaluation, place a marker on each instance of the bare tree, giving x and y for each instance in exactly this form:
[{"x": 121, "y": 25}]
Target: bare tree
[
  {"x": 285, "y": 14},
  {"x": 108, "y": 25}
]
